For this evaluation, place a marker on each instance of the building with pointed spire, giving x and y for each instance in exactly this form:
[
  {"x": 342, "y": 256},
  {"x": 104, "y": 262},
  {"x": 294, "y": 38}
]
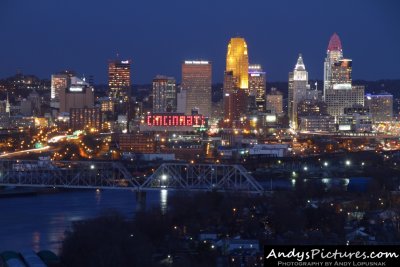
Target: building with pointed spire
[
  {"x": 334, "y": 53},
  {"x": 337, "y": 70},
  {"x": 298, "y": 87},
  {"x": 339, "y": 93}
]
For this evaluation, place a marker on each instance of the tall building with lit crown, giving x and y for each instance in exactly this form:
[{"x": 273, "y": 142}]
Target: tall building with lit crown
[
  {"x": 119, "y": 79},
  {"x": 196, "y": 80},
  {"x": 237, "y": 61},
  {"x": 164, "y": 94},
  {"x": 257, "y": 85},
  {"x": 298, "y": 87},
  {"x": 339, "y": 93},
  {"x": 334, "y": 53}
]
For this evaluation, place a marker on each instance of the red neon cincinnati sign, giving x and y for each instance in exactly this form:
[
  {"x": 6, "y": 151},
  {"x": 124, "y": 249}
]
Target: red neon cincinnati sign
[{"x": 175, "y": 120}]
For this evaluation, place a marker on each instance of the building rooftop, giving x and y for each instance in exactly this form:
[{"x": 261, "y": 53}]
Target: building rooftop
[{"x": 334, "y": 43}]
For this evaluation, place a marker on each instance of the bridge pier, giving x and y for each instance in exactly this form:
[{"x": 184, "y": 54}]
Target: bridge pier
[{"x": 140, "y": 200}]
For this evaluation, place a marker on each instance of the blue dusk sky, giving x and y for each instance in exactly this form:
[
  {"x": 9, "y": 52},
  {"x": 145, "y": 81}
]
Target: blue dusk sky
[{"x": 45, "y": 36}]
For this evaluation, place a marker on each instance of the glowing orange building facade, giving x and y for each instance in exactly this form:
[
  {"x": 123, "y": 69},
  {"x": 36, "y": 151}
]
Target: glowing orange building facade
[{"x": 237, "y": 61}]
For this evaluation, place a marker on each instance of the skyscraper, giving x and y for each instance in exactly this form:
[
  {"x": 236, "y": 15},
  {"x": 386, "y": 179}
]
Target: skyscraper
[
  {"x": 298, "y": 86},
  {"x": 237, "y": 61},
  {"x": 334, "y": 53},
  {"x": 196, "y": 80},
  {"x": 257, "y": 85},
  {"x": 164, "y": 94},
  {"x": 337, "y": 70},
  {"x": 119, "y": 79},
  {"x": 338, "y": 90}
]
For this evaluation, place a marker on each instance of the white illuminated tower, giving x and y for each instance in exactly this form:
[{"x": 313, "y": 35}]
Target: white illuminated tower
[
  {"x": 8, "y": 106},
  {"x": 298, "y": 86},
  {"x": 333, "y": 55}
]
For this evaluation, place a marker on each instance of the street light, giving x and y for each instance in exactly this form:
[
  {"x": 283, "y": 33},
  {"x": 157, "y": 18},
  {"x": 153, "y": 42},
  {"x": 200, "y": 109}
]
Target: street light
[
  {"x": 348, "y": 162},
  {"x": 326, "y": 164},
  {"x": 164, "y": 177}
]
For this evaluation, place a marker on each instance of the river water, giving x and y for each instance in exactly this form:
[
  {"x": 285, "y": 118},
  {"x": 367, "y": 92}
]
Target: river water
[{"x": 39, "y": 222}]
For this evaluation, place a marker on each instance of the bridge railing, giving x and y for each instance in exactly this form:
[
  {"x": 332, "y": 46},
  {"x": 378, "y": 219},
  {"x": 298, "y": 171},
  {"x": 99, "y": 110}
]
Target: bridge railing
[{"x": 86, "y": 174}]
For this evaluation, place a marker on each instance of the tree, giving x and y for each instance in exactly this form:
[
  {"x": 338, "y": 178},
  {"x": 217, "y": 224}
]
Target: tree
[{"x": 106, "y": 241}]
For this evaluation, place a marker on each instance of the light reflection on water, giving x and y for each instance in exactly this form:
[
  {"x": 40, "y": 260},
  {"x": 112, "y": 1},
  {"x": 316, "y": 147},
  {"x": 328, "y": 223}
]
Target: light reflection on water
[
  {"x": 343, "y": 183},
  {"x": 39, "y": 222},
  {"x": 163, "y": 201}
]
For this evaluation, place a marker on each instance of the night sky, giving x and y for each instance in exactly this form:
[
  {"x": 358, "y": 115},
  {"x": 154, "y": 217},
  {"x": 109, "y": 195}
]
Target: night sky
[{"x": 45, "y": 36}]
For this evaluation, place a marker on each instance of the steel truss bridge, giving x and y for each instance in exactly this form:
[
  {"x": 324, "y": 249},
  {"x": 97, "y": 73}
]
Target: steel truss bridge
[{"x": 114, "y": 175}]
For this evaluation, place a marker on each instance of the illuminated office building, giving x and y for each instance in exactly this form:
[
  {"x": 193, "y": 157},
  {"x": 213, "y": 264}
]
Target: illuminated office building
[
  {"x": 119, "y": 79},
  {"x": 77, "y": 95},
  {"x": 85, "y": 118},
  {"x": 106, "y": 104},
  {"x": 196, "y": 81},
  {"x": 229, "y": 82},
  {"x": 257, "y": 85},
  {"x": 274, "y": 101},
  {"x": 235, "y": 106},
  {"x": 59, "y": 82},
  {"x": 164, "y": 94},
  {"x": 237, "y": 61},
  {"x": 341, "y": 72},
  {"x": 343, "y": 96},
  {"x": 137, "y": 142},
  {"x": 355, "y": 119},
  {"x": 380, "y": 106},
  {"x": 298, "y": 87}
]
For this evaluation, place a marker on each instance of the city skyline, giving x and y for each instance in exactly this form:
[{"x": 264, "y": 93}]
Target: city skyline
[{"x": 373, "y": 25}]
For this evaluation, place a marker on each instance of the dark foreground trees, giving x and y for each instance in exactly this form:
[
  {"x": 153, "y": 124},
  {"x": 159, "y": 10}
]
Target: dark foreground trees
[
  {"x": 155, "y": 238},
  {"x": 106, "y": 241}
]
